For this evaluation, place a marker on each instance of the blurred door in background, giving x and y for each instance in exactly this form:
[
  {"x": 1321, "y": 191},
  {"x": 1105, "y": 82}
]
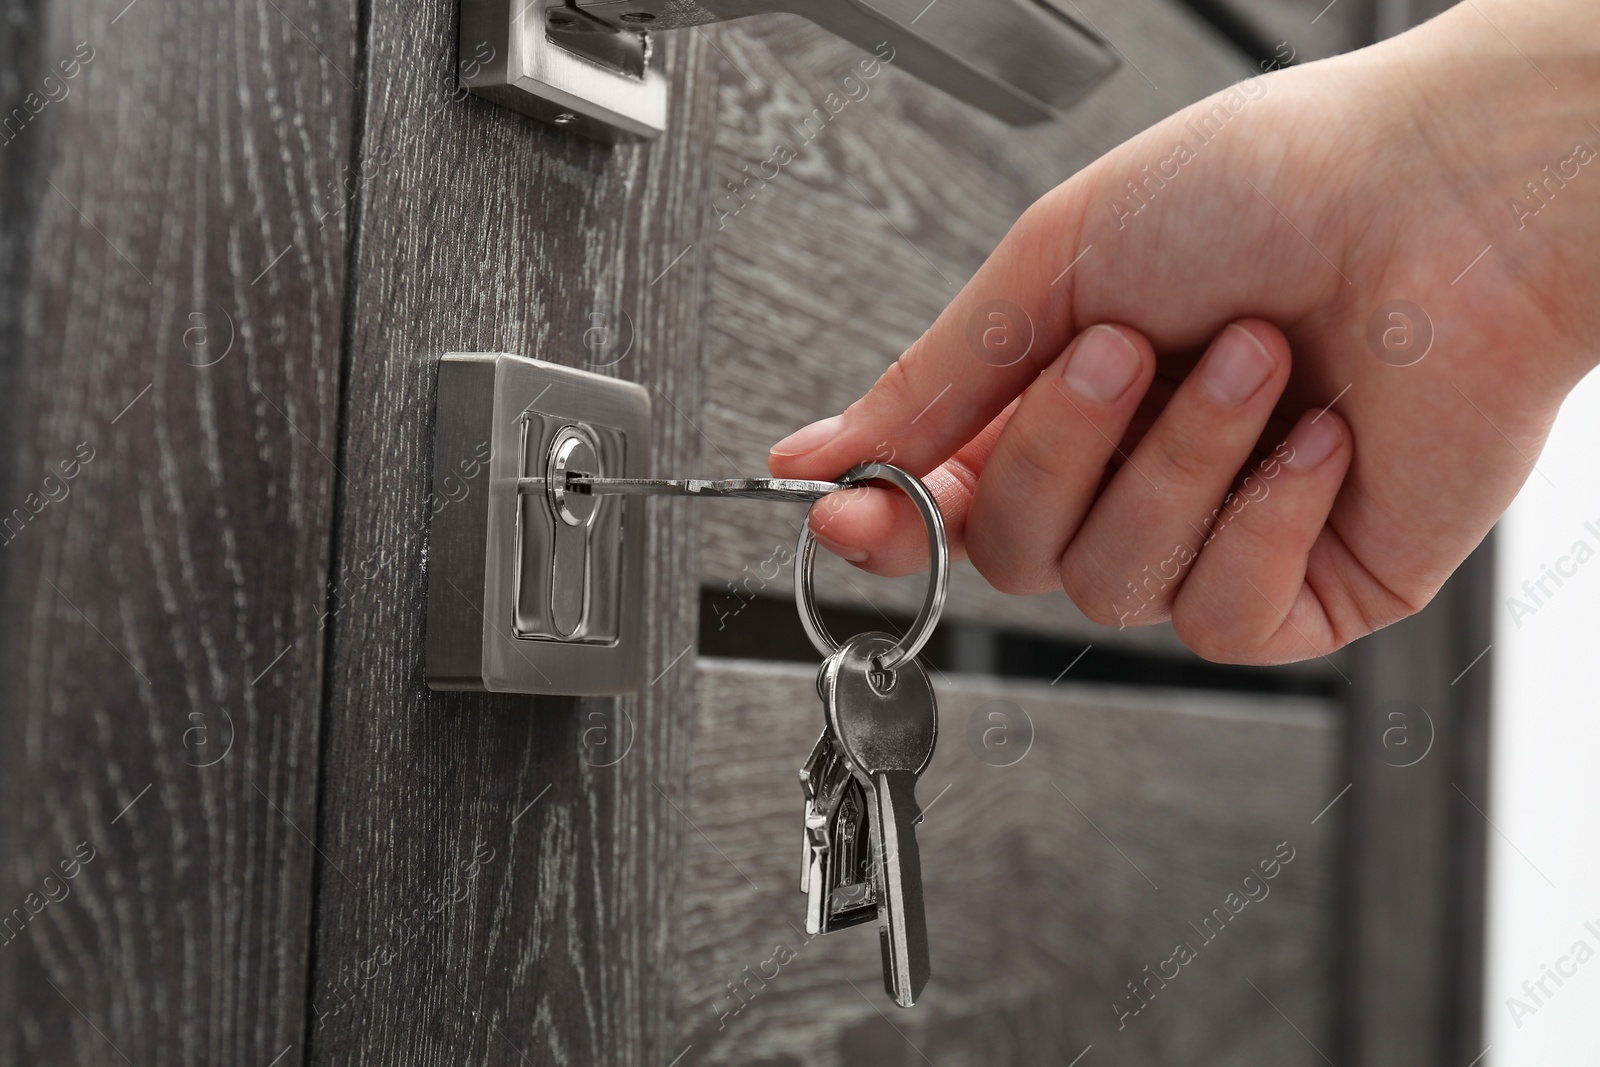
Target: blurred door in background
[{"x": 239, "y": 827}]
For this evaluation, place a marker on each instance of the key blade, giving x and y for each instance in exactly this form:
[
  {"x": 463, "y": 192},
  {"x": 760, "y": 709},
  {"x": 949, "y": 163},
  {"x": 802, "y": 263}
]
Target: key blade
[
  {"x": 886, "y": 726},
  {"x": 816, "y": 896},
  {"x": 796, "y": 490},
  {"x": 903, "y": 922}
]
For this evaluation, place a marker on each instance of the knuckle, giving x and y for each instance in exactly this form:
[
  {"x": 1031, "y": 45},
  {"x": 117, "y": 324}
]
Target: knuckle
[
  {"x": 951, "y": 482},
  {"x": 1047, "y": 221},
  {"x": 1185, "y": 455},
  {"x": 1014, "y": 581},
  {"x": 1106, "y": 598},
  {"x": 1009, "y": 571},
  {"x": 1103, "y": 614},
  {"x": 899, "y": 388},
  {"x": 1222, "y": 636},
  {"x": 1033, "y": 447},
  {"x": 1210, "y": 638}
]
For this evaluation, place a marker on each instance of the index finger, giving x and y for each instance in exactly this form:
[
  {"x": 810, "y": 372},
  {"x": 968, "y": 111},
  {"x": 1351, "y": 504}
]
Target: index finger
[{"x": 1005, "y": 326}]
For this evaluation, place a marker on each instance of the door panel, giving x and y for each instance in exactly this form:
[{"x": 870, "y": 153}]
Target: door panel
[
  {"x": 1053, "y": 874},
  {"x": 1413, "y": 948},
  {"x": 490, "y": 887},
  {"x": 174, "y": 377},
  {"x": 235, "y": 254}
]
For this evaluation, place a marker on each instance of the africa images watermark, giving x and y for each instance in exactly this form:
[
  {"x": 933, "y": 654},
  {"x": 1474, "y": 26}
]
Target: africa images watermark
[
  {"x": 782, "y": 556},
  {"x": 1203, "y": 126},
  {"x": 1252, "y": 490},
  {"x": 341, "y": 191},
  {"x": 1539, "y": 193},
  {"x": 52, "y": 890},
  {"x": 765, "y": 573},
  {"x": 1536, "y": 592},
  {"x": 52, "y": 90},
  {"x": 1536, "y": 994},
  {"x": 352, "y": 981},
  {"x": 852, "y": 90},
  {"x": 751, "y": 985},
  {"x": 1253, "y": 889},
  {"x": 52, "y": 490},
  {"x": 746, "y": 986},
  {"x": 1000, "y": 733}
]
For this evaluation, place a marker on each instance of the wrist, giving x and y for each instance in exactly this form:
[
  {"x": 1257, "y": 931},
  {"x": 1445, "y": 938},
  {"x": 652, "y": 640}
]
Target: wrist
[{"x": 1506, "y": 98}]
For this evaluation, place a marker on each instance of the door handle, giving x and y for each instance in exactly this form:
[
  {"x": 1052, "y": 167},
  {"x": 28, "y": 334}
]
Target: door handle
[{"x": 590, "y": 65}]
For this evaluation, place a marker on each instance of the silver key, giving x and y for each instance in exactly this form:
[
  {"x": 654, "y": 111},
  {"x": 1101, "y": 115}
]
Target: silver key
[
  {"x": 886, "y": 725},
  {"x": 835, "y": 875},
  {"x": 850, "y": 893},
  {"x": 810, "y": 778},
  {"x": 798, "y": 490}
]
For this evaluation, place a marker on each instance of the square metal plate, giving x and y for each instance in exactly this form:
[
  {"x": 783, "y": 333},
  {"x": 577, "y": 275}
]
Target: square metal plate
[{"x": 518, "y": 600}]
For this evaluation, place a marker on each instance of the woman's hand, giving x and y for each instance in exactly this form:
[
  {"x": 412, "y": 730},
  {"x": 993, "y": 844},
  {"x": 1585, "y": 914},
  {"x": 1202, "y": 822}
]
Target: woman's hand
[{"x": 1331, "y": 292}]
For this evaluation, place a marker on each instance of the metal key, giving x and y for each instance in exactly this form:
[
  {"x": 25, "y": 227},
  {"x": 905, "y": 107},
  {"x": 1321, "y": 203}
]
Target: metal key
[
  {"x": 798, "y": 490},
  {"x": 886, "y": 725},
  {"x": 836, "y": 874},
  {"x": 848, "y": 878},
  {"x": 811, "y": 776}
]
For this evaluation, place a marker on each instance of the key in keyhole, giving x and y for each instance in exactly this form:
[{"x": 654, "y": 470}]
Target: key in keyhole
[{"x": 572, "y": 450}]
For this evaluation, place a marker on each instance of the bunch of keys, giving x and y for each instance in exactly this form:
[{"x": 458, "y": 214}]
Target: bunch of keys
[{"x": 860, "y": 859}]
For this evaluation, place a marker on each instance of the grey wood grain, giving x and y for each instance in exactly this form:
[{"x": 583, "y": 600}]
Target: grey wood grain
[
  {"x": 22, "y": 34},
  {"x": 1397, "y": 16},
  {"x": 1041, "y": 881},
  {"x": 1469, "y": 614},
  {"x": 160, "y": 641},
  {"x": 22, "y": 63},
  {"x": 1417, "y": 808},
  {"x": 482, "y": 230},
  {"x": 829, "y": 271},
  {"x": 1303, "y": 29}
]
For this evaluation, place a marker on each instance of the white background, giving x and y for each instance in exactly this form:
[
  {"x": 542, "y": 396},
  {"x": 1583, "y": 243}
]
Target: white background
[{"x": 1545, "y": 759}]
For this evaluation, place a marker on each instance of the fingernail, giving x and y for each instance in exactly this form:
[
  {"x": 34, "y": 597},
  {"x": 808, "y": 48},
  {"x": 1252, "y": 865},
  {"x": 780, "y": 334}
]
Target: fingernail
[
  {"x": 1313, "y": 441},
  {"x": 809, "y": 438},
  {"x": 1236, "y": 367},
  {"x": 845, "y": 552},
  {"x": 1102, "y": 366}
]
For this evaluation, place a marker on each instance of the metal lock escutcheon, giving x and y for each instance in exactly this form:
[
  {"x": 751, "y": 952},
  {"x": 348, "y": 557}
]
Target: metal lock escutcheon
[{"x": 527, "y": 590}]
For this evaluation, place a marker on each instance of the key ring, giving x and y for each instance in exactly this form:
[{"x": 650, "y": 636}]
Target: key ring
[{"x": 938, "y": 568}]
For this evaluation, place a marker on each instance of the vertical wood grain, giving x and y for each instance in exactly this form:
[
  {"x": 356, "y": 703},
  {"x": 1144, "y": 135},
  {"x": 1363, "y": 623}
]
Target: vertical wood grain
[
  {"x": 1303, "y": 29},
  {"x": 1055, "y": 871},
  {"x": 1419, "y": 730},
  {"x": 476, "y": 879},
  {"x": 491, "y": 891},
  {"x": 177, "y": 351}
]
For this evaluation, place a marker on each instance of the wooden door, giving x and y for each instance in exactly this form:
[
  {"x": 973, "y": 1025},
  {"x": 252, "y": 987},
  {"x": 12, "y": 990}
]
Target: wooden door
[{"x": 236, "y": 248}]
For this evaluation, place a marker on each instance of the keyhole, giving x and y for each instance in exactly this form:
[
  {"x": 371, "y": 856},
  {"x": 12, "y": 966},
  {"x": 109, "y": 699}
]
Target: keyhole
[{"x": 572, "y": 452}]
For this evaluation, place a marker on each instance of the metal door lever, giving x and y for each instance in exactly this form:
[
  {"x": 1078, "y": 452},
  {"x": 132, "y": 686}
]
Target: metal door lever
[
  {"x": 589, "y": 64},
  {"x": 1017, "y": 59}
]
